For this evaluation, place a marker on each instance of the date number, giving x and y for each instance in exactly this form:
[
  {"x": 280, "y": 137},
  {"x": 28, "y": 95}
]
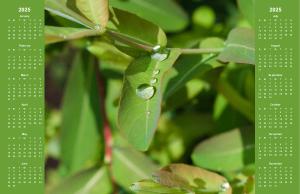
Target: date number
[
  {"x": 275, "y": 10},
  {"x": 24, "y": 9}
]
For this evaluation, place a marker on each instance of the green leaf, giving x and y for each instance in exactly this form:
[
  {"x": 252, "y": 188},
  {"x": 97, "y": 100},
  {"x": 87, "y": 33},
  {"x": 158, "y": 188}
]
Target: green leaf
[
  {"x": 247, "y": 9},
  {"x": 91, "y": 181},
  {"x": 129, "y": 166},
  {"x": 184, "y": 179},
  {"x": 226, "y": 152},
  {"x": 110, "y": 55},
  {"x": 239, "y": 47},
  {"x": 174, "y": 19},
  {"x": 151, "y": 187},
  {"x": 63, "y": 9},
  {"x": 58, "y": 34},
  {"x": 81, "y": 119},
  {"x": 184, "y": 95},
  {"x": 132, "y": 27},
  {"x": 95, "y": 10},
  {"x": 140, "y": 103},
  {"x": 176, "y": 134},
  {"x": 236, "y": 100},
  {"x": 192, "y": 66}
]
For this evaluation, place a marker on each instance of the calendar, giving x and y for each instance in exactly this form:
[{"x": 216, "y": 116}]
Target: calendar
[
  {"x": 127, "y": 80},
  {"x": 277, "y": 97},
  {"x": 22, "y": 98}
]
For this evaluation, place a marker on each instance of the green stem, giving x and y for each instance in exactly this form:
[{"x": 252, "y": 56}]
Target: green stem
[
  {"x": 129, "y": 41},
  {"x": 143, "y": 46},
  {"x": 191, "y": 51}
]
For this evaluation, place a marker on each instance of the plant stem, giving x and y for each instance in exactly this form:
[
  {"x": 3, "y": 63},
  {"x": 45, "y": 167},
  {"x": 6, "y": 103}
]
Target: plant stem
[
  {"x": 106, "y": 127},
  {"x": 143, "y": 46},
  {"x": 191, "y": 51},
  {"x": 129, "y": 41}
]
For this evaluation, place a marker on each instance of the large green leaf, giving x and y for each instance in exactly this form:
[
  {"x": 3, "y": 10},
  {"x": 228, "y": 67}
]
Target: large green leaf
[
  {"x": 95, "y": 10},
  {"x": 91, "y": 181},
  {"x": 130, "y": 166},
  {"x": 226, "y": 152},
  {"x": 81, "y": 119},
  {"x": 132, "y": 27},
  {"x": 186, "y": 178},
  {"x": 63, "y": 9},
  {"x": 247, "y": 9},
  {"x": 155, "y": 11},
  {"x": 140, "y": 103},
  {"x": 239, "y": 46},
  {"x": 55, "y": 34}
]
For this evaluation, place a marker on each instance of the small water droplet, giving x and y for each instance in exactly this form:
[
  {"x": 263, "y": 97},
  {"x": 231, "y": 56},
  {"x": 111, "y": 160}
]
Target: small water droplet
[
  {"x": 156, "y": 48},
  {"x": 159, "y": 56},
  {"x": 97, "y": 27},
  {"x": 153, "y": 81},
  {"x": 134, "y": 187},
  {"x": 225, "y": 186},
  {"x": 156, "y": 71},
  {"x": 63, "y": 36},
  {"x": 145, "y": 91},
  {"x": 156, "y": 178},
  {"x": 148, "y": 113}
]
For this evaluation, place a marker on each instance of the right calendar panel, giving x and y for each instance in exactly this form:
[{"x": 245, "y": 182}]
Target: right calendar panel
[{"x": 277, "y": 96}]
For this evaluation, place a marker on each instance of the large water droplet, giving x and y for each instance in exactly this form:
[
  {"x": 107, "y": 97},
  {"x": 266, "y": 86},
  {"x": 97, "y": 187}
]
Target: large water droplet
[
  {"x": 156, "y": 71},
  {"x": 153, "y": 81},
  {"x": 225, "y": 186},
  {"x": 156, "y": 48},
  {"x": 145, "y": 91}
]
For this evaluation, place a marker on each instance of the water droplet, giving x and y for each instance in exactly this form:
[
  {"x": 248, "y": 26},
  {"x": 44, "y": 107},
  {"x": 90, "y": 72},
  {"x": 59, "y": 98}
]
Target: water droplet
[
  {"x": 63, "y": 36},
  {"x": 134, "y": 187},
  {"x": 97, "y": 27},
  {"x": 225, "y": 186},
  {"x": 156, "y": 48},
  {"x": 153, "y": 81},
  {"x": 159, "y": 56},
  {"x": 148, "y": 113},
  {"x": 145, "y": 91},
  {"x": 156, "y": 178},
  {"x": 156, "y": 71}
]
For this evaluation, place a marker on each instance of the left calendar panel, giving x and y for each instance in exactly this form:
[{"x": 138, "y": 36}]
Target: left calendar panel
[{"x": 22, "y": 97}]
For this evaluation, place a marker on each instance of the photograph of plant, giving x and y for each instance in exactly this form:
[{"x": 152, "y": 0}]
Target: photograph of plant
[{"x": 149, "y": 97}]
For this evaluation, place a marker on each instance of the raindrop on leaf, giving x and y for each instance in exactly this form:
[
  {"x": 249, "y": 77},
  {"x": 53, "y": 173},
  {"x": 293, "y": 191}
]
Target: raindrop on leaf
[
  {"x": 156, "y": 48},
  {"x": 156, "y": 72},
  {"x": 145, "y": 91},
  {"x": 97, "y": 27},
  {"x": 159, "y": 56},
  {"x": 225, "y": 186},
  {"x": 153, "y": 81}
]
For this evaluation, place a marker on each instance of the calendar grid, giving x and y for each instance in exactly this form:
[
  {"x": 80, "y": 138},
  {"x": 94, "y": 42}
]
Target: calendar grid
[
  {"x": 277, "y": 97},
  {"x": 22, "y": 97}
]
